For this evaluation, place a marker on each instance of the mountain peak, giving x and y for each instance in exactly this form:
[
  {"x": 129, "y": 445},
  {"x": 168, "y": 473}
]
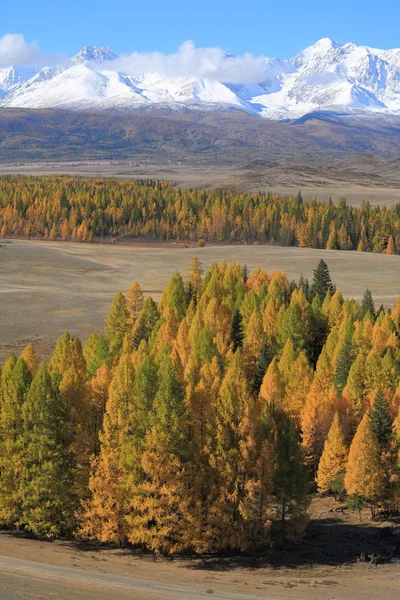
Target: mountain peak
[
  {"x": 326, "y": 44},
  {"x": 325, "y": 47},
  {"x": 325, "y": 75},
  {"x": 94, "y": 53}
]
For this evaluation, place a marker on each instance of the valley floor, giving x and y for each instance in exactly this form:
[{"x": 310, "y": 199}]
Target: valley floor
[
  {"x": 356, "y": 178},
  {"x": 48, "y": 287}
]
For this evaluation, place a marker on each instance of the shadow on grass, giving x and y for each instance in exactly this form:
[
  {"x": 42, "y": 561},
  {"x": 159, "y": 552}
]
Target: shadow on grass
[{"x": 328, "y": 541}]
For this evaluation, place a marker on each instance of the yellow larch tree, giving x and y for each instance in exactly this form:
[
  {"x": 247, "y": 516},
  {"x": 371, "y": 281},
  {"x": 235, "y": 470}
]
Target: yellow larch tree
[
  {"x": 333, "y": 459},
  {"x": 134, "y": 301},
  {"x": 364, "y": 476},
  {"x": 253, "y": 341},
  {"x": 272, "y": 389},
  {"x": 104, "y": 513},
  {"x": 28, "y": 355},
  {"x": 299, "y": 380}
]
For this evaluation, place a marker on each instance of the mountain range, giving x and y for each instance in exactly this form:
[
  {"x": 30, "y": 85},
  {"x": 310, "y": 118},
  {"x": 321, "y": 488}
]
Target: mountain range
[{"x": 327, "y": 76}]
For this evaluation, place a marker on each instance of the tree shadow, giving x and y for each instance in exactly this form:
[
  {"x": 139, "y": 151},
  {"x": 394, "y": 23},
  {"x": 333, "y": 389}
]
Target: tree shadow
[{"x": 327, "y": 542}]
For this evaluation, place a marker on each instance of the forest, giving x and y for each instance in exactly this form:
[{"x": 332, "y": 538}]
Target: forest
[
  {"x": 204, "y": 422},
  {"x": 89, "y": 209}
]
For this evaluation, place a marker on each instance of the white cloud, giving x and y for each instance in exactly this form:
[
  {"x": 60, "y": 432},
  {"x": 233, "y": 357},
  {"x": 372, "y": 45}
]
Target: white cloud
[
  {"x": 15, "y": 50},
  {"x": 204, "y": 63}
]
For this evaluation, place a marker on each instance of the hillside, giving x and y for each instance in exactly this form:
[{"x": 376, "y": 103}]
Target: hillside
[{"x": 168, "y": 137}]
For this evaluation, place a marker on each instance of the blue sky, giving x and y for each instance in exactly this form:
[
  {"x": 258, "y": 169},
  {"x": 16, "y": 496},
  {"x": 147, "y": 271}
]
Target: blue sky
[{"x": 280, "y": 28}]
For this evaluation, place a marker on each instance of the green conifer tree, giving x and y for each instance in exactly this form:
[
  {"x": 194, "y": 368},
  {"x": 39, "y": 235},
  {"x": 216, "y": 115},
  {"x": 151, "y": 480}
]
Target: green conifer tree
[
  {"x": 343, "y": 365},
  {"x": 117, "y": 325},
  {"x": 46, "y": 483},
  {"x": 381, "y": 421},
  {"x": 322, "y": 282},
  {"x": 237, "y": 330},
  {"x": 263, "y": 362},
  {"x": 367, "y": 304},
  {"x": 14, "y": 385},
  {"x": 290, "y": 484}
]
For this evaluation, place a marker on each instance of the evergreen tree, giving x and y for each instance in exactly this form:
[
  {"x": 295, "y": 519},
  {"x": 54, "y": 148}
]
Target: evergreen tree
[
  {"x": 46, "y": 490},
  {"x": 381, "y": 421},
  {"x": 14, "y": 385},
  {"x": 290, "y": 484},
  {"x": 322, "y": 282},
  {"x": 96, "y": 353},
  {"x": 237, "y": 330},
  {"x": 367, "y": 304},
  {"x": 343, "y": 365},
  {"x": 263, "y": 361}
]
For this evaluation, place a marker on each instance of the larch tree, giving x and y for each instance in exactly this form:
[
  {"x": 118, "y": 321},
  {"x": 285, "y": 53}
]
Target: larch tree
[
  {"x": 196, "y": 277},
  {"x": 28, "y": 355},
  {"x": 158, "y": 503},
  {"x": 134, "y": 301},
  {"x": 103, "y": 517},
  {"x": 272, "y": 388},
  {"x": 234, "y": 462},
  {"x": 117, "y": 324},
  {"x": 363, "y": 474},
  {"x": 253, "y": 341},
  {"x": 391, "y": 246},
  {"x": 334, "y": 458}
]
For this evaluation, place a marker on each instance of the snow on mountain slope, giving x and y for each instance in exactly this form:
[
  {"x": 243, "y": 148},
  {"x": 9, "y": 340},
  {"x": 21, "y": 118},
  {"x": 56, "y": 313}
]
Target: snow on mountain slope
[
  {"x": 325, "y": 76},
  {"x": 11, "y": 77}
]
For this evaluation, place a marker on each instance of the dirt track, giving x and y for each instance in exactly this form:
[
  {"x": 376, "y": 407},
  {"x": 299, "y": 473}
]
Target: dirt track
[
  {"x": 114, "y": 583},
  {"x": 32, "y": 570}
]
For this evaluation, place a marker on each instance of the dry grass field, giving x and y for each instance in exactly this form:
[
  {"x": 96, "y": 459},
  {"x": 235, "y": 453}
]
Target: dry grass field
[{"x": 48, "y": 287}]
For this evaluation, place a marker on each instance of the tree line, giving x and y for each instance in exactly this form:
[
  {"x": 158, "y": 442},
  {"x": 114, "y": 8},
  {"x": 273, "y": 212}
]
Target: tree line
[
  {"x": 83, "y": 209},
  {"x": 197, "y": 423}
]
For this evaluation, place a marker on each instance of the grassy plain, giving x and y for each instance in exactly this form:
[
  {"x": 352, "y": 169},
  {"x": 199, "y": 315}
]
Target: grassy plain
[{"x": 48, "y": 287}]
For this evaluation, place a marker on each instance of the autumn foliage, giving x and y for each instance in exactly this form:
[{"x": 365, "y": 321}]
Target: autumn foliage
[
  {"x": 196, "y": 424},
  {"x": 85, "y": 210}
]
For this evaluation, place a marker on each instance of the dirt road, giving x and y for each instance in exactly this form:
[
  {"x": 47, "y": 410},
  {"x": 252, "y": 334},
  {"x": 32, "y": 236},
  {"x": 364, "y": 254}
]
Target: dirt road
[
  {"x": 64, "y": 570},
  {"x": 113, "y": 583}
]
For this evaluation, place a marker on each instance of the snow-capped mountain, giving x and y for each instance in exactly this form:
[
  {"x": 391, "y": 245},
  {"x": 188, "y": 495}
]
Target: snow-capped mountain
[{"x": 325, "y": 76}]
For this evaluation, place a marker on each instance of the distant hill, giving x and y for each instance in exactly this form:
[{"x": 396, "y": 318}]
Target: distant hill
[{"x": 189, "y": 136}]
